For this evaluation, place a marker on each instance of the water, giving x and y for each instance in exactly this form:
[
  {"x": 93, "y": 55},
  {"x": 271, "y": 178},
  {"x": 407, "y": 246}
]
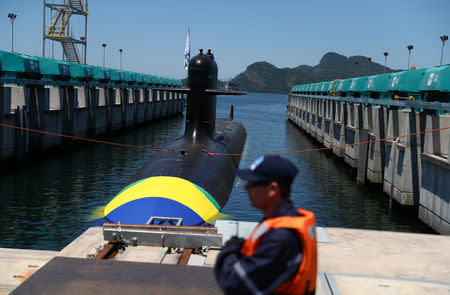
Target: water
[{"x": 48, "y": 202}]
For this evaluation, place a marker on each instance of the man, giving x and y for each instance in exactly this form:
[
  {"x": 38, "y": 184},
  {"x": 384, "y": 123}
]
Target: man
[{"x": 280, "y": 256}]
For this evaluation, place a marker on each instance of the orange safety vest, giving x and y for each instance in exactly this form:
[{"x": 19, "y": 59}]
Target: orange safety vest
[{"x": 304, "y": 282}]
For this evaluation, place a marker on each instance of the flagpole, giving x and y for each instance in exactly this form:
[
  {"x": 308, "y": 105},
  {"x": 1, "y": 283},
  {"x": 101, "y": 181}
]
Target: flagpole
[{"x": 187, "y": 50}]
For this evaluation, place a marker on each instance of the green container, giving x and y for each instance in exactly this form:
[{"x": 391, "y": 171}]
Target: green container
[
  {"x": 10, "y": 63},
  {"x": 163, "y": 81},
  {"x": 156, "y": 80},
  {"x": 81, "y": 72},
  {"x": 328, "y": 86},
  {"x": 140, "y": 78},
  {"x": 406, "y": 81},
  {"x": 128, "y": 77},
  {"x": 13, "y": 65},
  {"x": 357, "y": 84},
  {"x": 322, "y": 88},
  {"x": 100, "y": 74},
  {"x": 148, "y": 79},
  {"x": 116, "y": 76},
  {"x": 436, "y": 79},
  {"x": 54, "y": 69},
  {"x": 343, "y": 85},
  {"x": 377, "y": 83}
]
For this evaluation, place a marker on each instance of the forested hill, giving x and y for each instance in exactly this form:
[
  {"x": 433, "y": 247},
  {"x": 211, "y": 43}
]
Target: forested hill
[{"x": 265, "y": 77}]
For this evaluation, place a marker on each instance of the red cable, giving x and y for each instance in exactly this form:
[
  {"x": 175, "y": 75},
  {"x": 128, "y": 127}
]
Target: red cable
[
  {"x": 85, "y": 139},
  {"x": 331, "y": 147}
]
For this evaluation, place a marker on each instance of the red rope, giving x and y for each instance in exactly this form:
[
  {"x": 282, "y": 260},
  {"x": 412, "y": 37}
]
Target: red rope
[
  {"x": 83, "y": 138},
  {"x": 331, "y": 147}
]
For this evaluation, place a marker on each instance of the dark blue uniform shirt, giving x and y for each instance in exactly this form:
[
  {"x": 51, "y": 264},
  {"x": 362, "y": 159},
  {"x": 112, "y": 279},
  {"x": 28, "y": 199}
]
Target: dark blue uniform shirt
[{"x": 276, "y": 260}]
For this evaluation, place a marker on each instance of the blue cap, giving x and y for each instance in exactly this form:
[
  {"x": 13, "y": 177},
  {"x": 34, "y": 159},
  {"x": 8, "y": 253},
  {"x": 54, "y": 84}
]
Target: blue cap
[{"x": 270, "y": 168}]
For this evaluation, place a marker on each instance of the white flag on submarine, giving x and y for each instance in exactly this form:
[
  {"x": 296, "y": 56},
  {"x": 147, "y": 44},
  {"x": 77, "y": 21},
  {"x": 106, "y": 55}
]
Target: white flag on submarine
[{"x": 187, "y": 50}]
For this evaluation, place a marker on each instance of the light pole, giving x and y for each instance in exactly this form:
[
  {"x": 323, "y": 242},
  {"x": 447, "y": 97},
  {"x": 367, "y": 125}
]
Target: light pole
[
  {"x": 369, "y": 59},
  {"x": 104, "y": 46},
  {"x": 385, "y": 58},
  {"x": 354, "y": 73},
  {"x": 410, "y": 47},
  {"x": 82, "y": 39},
  {"x": 120, "y": 51},
  {"x": 443, "y": 39},
  {"x": 12, "y": 17}
]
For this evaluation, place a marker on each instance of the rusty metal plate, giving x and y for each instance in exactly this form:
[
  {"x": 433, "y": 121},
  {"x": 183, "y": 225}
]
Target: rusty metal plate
[{"x": 75, "y": 276}]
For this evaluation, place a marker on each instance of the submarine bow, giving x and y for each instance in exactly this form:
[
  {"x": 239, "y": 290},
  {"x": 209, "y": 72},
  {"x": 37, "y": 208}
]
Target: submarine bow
[{"x": 185, "y": 182}]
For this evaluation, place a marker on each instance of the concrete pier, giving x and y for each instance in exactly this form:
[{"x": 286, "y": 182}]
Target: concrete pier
[
  {"x": 413, "y": 170},
  {"x": 434, "y": 199},
  {"x": 80, "y": 111},
  {"x": 350, "y": 262},
  {"x": 374, "y": 123}
]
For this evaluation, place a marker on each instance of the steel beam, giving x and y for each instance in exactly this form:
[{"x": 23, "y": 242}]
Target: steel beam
[
  {"x": 398, "y": 103},
  {"x": 163, "y": 235}
]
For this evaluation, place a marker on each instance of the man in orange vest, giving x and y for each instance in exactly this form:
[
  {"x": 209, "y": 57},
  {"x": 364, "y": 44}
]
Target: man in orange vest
[{"x": 280, "y": 255}]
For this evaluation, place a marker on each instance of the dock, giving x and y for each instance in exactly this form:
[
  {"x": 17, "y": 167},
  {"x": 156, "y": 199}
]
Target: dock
[
  {"x": 351, "y": 261},
  {"x": 393, "y": 129},
  {"x": 45, "y": 102}
]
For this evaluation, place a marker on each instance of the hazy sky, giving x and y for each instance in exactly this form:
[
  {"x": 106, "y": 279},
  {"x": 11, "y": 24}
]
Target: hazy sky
[{"x": 284, "y": 33}]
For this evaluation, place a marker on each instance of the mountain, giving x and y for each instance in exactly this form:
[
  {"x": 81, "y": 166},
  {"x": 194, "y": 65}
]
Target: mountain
[{"x": 265, "y": 77}]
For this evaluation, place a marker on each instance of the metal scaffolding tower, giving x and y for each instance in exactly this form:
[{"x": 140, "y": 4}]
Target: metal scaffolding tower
[{"x": 59, "y": 29}]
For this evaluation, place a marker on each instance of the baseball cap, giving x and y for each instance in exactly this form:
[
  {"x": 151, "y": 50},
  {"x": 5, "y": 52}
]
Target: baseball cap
[{"x": 270, "y": 168}]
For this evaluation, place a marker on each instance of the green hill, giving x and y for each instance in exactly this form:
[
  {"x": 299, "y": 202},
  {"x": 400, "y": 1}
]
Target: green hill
[{"x": 265, "y": 77}]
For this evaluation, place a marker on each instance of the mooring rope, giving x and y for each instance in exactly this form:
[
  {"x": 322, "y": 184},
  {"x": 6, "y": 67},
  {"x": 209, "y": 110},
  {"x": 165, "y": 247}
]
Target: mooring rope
[
  {"x": 84, "y": 138},
  {"x": 331, "y": 147},
  {"x": 219, "y": 154}
]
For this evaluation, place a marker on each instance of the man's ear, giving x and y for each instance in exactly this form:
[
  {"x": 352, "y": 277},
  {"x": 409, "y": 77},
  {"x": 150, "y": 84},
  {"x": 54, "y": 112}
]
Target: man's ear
[{"x": 274, "y": 188}]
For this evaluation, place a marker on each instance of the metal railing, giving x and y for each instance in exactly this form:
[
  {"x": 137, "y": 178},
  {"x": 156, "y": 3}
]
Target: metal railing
[{"x": 440, "y": 106}]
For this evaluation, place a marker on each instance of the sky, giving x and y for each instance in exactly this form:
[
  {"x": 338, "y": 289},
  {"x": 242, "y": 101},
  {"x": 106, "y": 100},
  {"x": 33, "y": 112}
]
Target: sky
[{"x": 284, "y": 33}]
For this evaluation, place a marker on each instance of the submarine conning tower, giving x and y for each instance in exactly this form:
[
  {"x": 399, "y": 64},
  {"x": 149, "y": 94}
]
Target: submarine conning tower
[{"x": 200, "y": 106}]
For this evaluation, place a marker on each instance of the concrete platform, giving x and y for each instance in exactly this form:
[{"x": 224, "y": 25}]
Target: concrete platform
[
  {"x": 379, "y": 262},
  {"x": 17, "y": 265},
  {"x": 351, "y": 261}
]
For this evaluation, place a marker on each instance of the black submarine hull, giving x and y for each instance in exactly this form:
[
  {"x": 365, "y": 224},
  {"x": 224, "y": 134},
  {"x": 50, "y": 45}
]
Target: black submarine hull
[{"x": 185, "y": 182}]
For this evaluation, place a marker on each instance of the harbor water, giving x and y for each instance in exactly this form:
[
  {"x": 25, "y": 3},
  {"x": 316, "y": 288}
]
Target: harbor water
[{"x": 52, "y": 198}]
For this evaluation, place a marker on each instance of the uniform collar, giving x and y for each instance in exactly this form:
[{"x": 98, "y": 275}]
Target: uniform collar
[{"x": 284, "y": 209}]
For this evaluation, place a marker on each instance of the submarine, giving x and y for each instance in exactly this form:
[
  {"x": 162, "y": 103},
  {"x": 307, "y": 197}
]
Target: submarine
[{"x": 184, "y": 185}]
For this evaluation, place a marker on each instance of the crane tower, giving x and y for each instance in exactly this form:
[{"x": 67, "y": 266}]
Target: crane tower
[{"x": 60, "y": 28}]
